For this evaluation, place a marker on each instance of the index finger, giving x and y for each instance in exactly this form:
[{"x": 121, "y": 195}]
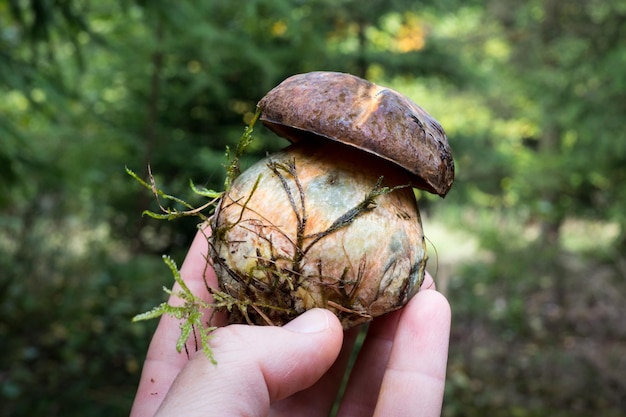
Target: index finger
[
  {"x": 163, "y": 362},
  {"x": 415, "y": 374},
  {"x": 367, "y": 375}
]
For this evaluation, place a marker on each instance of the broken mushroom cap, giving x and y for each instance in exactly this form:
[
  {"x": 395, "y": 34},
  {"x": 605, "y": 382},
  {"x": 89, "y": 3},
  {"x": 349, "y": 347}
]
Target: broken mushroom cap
[{"x": 356, "y": 112}]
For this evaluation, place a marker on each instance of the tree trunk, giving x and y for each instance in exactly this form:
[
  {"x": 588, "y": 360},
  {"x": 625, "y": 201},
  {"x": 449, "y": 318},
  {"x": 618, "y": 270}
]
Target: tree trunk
[
  {"x": 361, "y": 60},
  {"x": 551, "y": 222}
]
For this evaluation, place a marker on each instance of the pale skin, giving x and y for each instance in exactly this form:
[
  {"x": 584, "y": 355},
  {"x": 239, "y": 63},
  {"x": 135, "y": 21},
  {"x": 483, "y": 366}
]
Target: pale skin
[{"x": 296, "y": 370}]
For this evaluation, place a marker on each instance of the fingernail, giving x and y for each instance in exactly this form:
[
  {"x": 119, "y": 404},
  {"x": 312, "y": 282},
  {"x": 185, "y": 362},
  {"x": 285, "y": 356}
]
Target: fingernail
[{"x": 312, "y": 321}]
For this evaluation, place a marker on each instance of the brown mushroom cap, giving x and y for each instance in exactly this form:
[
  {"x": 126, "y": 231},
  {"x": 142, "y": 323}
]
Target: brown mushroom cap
[{"x": 358, "y": 113}]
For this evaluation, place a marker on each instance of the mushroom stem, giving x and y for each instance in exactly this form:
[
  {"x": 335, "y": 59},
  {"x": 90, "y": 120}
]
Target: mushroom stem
[{"x": 325, "y": 225}]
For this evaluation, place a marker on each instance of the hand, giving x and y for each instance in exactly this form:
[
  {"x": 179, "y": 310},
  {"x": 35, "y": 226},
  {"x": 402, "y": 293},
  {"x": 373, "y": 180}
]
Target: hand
[{"x": 296, "y": 370}]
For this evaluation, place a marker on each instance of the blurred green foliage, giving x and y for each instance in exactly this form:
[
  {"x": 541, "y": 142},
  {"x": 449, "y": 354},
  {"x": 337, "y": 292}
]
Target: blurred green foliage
[{"x": 532, "y": 95}]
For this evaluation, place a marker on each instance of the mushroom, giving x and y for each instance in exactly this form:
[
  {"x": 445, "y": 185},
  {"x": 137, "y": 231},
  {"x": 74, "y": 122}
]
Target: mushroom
[{"x": 331, "y": 221}]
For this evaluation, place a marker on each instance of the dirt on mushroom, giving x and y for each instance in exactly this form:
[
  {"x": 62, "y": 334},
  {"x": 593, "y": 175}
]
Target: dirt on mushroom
[{"x": 319, "y": 225}]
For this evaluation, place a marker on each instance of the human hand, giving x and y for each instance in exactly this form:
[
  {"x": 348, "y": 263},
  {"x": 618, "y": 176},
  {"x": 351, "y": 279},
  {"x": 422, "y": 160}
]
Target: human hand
[{"x": 296, "y": 370}]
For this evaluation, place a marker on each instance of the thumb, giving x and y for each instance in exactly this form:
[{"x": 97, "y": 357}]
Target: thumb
[{"x": 256, "y": 366}]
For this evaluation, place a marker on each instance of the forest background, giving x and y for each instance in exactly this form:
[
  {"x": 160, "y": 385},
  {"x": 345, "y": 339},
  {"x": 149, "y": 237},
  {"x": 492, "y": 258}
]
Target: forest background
[{"x": 529, "y": 246}]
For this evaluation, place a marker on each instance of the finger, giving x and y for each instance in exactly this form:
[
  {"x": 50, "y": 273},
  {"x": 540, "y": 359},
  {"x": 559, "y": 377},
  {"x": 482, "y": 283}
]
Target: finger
[
  {"x": 163, "y": 361},
  {"x": 428, "y": 283},
  {"x": 367, "y": 374},
  {"x": 323, "y": 393},
  {"x": 256, "y": 366},
  {"x": 414, "y": 379}
]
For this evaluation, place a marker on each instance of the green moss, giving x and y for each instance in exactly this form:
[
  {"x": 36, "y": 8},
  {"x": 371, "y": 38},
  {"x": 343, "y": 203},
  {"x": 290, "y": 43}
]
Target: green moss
[{"x": 190, "y": 313}]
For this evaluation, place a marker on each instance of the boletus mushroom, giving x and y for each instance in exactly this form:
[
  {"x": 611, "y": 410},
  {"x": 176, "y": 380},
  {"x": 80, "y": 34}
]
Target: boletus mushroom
[{"x": 331, "y": 221}]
